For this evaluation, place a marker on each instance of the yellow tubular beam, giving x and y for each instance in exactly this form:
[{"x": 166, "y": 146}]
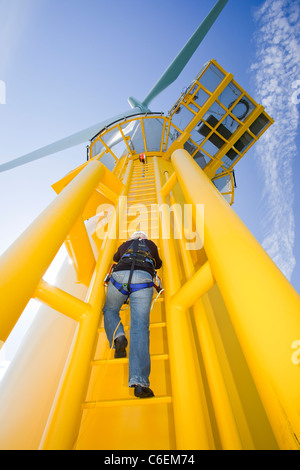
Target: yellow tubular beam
[
  {"x": 61, "y": 301},
  {"x": 194, "y": 288},
  {"x": 227, "y": 427},
  {"x": 226, "y": 423},
  {"x": 169, "y": 185},
  {"x": 185, "y": 254},
  {"x": 263, "y": 306},
  {"x": 80, "y": 250},
  {"x": 107, "y": 192},
  {"x": 63, "y": 424},
  {"x": 192, "y": 425},
  {"x": 123, "y": 166},
  {"x": 25, "y": 262}
]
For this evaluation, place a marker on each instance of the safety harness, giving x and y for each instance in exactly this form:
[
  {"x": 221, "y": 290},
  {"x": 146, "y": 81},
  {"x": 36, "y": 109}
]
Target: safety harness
[
  {"x": 137, "y": 255},
  {"x": 133, "y": 288}
]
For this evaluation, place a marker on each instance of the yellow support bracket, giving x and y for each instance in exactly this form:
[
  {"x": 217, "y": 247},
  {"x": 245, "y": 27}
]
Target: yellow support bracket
[
  {"x": 27, "y": 259},
  {"x": 169, "y": 185},
  {"x": 80, "y": 251},
  {"x": 107, "y": 191},
  {"x": 194, "y": 288},
  {"x": 62, "y": 301}
]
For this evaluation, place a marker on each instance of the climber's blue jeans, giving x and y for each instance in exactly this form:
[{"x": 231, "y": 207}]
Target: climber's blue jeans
[{"x": 140, "y": 305}]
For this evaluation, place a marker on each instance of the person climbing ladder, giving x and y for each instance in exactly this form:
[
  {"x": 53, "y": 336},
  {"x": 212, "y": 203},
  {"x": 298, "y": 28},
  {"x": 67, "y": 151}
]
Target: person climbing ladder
[
  {"x": 142, "y": 158},
  {"x": 132, "y": 278}
]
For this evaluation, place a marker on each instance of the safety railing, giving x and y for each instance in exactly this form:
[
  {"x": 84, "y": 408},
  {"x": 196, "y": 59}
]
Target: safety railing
[
  {"x": 26, "y": 261},
  {"x": 144, "y": 133},
  {"x": 190, "y": 409},
  {"x": 21, "y": 278},
  {"x": 67, "y": 408},
  {"x": 264, "y": 308},
  {"x": 262, "y": 304}
]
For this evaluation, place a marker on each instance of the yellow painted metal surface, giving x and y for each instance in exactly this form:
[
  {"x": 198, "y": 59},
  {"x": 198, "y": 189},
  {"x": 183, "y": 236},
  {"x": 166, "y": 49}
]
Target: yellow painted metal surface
[
  {"x": 263, "y": 306},
  {"x": 222, "y": 332},
  {"x": 27, "y": 259}
]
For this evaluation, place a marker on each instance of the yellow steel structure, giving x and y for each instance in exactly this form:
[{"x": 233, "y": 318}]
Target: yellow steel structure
[{"x": 221, "y": 335}]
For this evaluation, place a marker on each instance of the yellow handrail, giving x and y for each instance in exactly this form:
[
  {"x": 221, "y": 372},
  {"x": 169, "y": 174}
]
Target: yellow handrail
[
  {"x": 64, "y": 421},
  {"x": 192, "y": 424},
  {"x": 194, "y": 288},
  {"x": 262, "y": 304},
  {"x": 227, "y": 426},
  {"x": 35, "y": 249}
]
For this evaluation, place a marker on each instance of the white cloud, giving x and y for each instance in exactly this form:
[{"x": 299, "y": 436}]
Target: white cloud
[{"x": 276, "y": 68}]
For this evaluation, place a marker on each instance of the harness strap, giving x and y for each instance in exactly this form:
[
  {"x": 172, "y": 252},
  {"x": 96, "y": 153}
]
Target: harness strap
[
  {"x": 135, "y": 248},
  {"x": 133, "y": 287},
  {"x": 127, "y": 255}
]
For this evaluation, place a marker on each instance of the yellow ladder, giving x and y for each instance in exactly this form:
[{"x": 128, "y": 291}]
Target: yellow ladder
[
  {"x": 112, "y": 417},
  {"x": 142, "y": 200},
  {"x": 222, "y": 377}
]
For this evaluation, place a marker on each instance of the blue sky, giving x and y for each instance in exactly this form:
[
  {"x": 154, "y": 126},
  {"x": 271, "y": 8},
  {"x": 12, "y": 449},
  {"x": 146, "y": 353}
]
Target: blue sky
[{"x": 70, "y": 64}]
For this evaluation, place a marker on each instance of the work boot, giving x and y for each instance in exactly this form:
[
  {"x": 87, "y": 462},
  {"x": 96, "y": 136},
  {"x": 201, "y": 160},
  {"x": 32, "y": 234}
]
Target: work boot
[
  {"x": 143, "y": 392},
  {"x": 120, "y": 346}
]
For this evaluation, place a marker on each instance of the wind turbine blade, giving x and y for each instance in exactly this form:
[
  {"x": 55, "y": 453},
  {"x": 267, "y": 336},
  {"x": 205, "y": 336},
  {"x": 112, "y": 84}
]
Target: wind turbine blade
[
  {"x": 66, "y": 143},
  {"x": 178, "y": 64}
]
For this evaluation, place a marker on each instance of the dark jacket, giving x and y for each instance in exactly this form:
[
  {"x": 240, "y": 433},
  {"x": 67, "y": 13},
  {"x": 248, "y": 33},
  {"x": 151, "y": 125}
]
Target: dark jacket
[{"x": 124, "y": 247}]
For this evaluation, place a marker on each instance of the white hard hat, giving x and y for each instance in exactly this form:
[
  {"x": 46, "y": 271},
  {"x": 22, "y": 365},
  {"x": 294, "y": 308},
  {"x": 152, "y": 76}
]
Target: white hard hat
[{"x": 138, "y": 234}]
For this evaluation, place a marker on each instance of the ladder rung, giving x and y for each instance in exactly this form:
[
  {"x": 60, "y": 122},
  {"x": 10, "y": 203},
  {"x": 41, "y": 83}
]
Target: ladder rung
[
  {"x": 139, "y": 165},
  {"x": 142, "y": 177},
  {"x": 150, "y": 193},
  {"x": 141, "y": 201},
  {"x": 133, "y": 204},
  {"x": 137, "y": 176},
  {"x": 126, "y": 402},
  {"x": 141, "y": 190},
  {"x": 140, "y": 169},
  {"x": 155, "y": 211},
  {"x": 142, "y": 184},
  {"x": 125, "y": 360},
  {"x": 150, "y": 196},
  {"x": 142, "y": 181},
  {"x": 141, "y": 204},
  {"x": 161, "y": 324},
  {"x": 142, "y": 194}
]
